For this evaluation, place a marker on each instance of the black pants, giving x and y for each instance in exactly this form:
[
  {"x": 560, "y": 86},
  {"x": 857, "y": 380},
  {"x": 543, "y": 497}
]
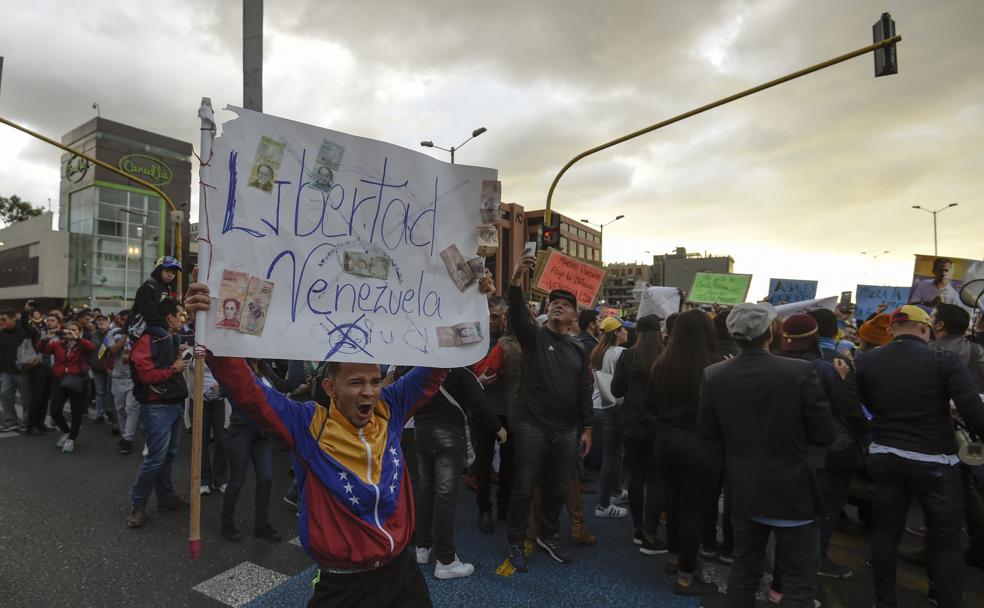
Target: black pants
[
  {"x": 798, "y": 552},
  {"x": 709, "y": 541},
  {"x": 398, "y": 584},
  {"x": 76, "y": 399},
  {"x": 690, "y": 468},
  {"x": 545, "y": 459},
  {"x": 41, "y": 380},
  {"x": 484, "y": 440},
  {"x": 973, "y": 511},
  {"x": 245, "y": 443},
  {"x": 441, "y": 457},
  {"x": 640, "y": 461}
]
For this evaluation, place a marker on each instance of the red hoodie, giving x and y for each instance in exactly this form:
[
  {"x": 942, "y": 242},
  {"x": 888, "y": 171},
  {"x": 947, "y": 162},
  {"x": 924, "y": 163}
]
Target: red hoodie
[{"x": 73, "y": 361}]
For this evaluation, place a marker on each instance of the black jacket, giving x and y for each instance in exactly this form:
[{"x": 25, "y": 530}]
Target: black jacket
[
  {"x": 10, "y": 340},
  {"x": 462, "y": 384},
  {"x": 767, "y": 410},
  {"x": 555, "y": 389},
  {"x": 907, "y": 385},
  {"x": 631, "y": 381},
  {"x": 147, "y": 300}
]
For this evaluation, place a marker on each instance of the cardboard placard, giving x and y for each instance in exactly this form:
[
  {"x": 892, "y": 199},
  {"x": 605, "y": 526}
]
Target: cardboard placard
[
  {"x": 719, "y": 288},
  {"x": 559, "y": 271}
]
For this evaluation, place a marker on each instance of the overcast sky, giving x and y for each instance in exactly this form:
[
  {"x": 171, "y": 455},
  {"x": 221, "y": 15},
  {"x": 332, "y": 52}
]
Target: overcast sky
[{"x": 794, "y": 182}]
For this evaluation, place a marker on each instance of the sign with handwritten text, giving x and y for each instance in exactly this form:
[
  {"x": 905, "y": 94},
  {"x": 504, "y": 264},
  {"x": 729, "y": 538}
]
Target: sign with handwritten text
[
  {"x": 720, "y": 288},
  {"x": 561, "y": 271},
  {"x": 789, "y": 291},
  {"x": 870, "y": 296},
  {"x": 353, "y": 249}
]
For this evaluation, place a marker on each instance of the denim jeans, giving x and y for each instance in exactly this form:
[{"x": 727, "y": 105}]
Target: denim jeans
[
  {"x": 689, "y": 468},
  {"x": 440, "y": 459},
  {"x": 215, "y": 469},
  {"x": 640, "y": 461},
  {"x": 127, "y": 408},
  {"x": 162, "y": 433},
  {"x": 610, "y": 480},
  {"x": 940, "y": 492},
  {"x": 797, "y": 549},
  {"x": 8, "y": 393},
  {"x": 245, "y": 443},
  {"x": 100, "y": 381},
  {"x": 544, "y": 458}
]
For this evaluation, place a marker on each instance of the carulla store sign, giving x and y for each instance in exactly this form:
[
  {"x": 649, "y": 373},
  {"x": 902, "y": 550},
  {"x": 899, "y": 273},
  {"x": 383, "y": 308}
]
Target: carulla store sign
[{"x": 146, "y": 167}]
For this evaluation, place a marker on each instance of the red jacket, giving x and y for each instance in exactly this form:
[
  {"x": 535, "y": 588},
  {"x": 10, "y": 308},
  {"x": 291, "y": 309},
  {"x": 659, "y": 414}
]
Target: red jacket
[{"x": 72, "y": 361}]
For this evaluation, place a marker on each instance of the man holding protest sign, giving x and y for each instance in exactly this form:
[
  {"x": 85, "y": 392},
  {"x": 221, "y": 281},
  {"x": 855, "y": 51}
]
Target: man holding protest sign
[
  {"x": 555, "y": 394},
  {"x": 357, "y": 515}
]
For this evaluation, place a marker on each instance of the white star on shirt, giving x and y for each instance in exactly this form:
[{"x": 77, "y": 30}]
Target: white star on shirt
[
  {"x": 354, "y": 499},
  {"x": 348, "y": 488},
  {"x": 392, "y": 489},
  {"x": 343, "y": 475},
  {"x": 396, "y": 461},
  {"x": 393, "y": 451}
]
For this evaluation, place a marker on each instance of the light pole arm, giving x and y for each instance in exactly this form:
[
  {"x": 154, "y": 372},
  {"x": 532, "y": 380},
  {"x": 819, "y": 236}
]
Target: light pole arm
[
  {"x": 710, "y": 106},
  {"x": 108, "y": 167}
]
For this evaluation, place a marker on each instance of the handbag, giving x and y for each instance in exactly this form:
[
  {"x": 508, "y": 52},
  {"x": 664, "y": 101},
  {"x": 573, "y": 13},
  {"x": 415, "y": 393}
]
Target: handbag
[
  {"x": 603, "y": 380},
  {"x": 73, "y": 383},
  {"x": 27, "y": 356}
]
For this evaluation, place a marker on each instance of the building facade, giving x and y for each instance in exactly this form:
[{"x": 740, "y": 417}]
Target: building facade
[
  {"x": 33, "y": 263},
  {"x": 576, "y": 239},
  {"x": 678, "y": 269},
  {"x": 624, "y": 285},
  {"x": 116, "y": 229}
]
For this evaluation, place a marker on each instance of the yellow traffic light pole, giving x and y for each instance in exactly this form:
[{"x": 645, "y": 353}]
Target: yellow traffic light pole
[
  {"x": 826, "y": 64},
  {"x": 107, "y": 166}
]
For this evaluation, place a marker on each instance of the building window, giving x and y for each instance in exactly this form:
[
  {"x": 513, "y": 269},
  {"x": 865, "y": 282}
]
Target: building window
[
  {"x": 563, "y": 244},
  {"x": 597, "y": 255},
  {"x": 18, "y": 266}
]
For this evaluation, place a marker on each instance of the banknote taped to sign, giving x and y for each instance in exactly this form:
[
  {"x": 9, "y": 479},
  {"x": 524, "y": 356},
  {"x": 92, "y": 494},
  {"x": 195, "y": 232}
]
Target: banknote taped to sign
[{"x": 336, "y": 251}]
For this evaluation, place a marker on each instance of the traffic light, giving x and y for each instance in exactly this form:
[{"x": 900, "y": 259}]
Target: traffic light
[
  {"x": 886, "y": 58},
  {"x": 550, "y": 233}
]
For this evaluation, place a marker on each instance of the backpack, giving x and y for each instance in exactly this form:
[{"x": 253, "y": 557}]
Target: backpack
[{"x": 27, "y": 356}]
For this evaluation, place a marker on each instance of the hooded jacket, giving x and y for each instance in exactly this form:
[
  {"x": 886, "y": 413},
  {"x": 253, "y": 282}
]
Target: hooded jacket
[{"x": 356, "y": 503}]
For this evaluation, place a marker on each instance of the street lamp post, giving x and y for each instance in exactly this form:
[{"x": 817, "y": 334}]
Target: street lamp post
[
  {"x": 874, "y": 260},
  {"x": 601, "y": 229},
  {"x": 130, "y": 252},
  {"x": 475, "y": 133},
  {"x": 935, "y": 250}
]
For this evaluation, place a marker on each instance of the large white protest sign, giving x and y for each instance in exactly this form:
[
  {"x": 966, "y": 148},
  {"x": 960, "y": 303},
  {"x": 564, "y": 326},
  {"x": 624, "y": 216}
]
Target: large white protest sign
[
  {"x": 796, "y": 308},
  {"x": 319, "y": 245},
  {"x": 661, "y": 301}
]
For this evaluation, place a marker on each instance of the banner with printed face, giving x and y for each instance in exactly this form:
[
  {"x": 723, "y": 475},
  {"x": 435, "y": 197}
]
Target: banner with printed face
[
  {"x": 938, "y": 279},
  {"x": 871, "y": 296},
  {"x": 790, "y": 291},
  {"x": 325, "y": 245}
]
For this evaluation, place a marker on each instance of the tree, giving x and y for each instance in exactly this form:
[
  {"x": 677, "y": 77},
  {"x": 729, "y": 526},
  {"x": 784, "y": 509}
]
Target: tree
[{"x": 13, "y": 210}]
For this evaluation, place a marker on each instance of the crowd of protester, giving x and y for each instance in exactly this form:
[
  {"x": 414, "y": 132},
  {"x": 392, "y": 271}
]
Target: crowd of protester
[{"x": 711, "y": 430}]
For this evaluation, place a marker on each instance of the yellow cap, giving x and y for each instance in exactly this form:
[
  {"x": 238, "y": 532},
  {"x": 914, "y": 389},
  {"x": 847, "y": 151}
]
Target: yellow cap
[{"x": 610, "y": 324}]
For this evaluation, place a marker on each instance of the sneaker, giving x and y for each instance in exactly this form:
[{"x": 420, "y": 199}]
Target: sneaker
[
  {"x": 68, "y": 446},
  {"x": 423, "y": 555},
  {"x": 146, "y": 451},
  {"x": 61, "y": 441},
  {"x": 221, "y": 488},
  {"x": 230, "y": 533},
  {"x": 34, "y": 432},
  {"x": 637, "y": 538},
  {"x": 830, "y": 569},
  {"x": 622, "y": 498},
  {"x": 612, "y": 511},
  {"x": 204, "y": 490},
  {"x": 653, "y": 546},
  {"x": 8, "y": 427},
  {"x": 553, "y": 547},
  {"x": 725, "y": 558},
  {"x": 455, "y": 569},
  {"x": 175, "y": 504},
  {"x": 126, "y": 447},
  {"x": 516, "y": 556},
  {"x": 921, "y": 531},
  {"x": 267, "y": 532},
  {"x": 291, "y": 499},
  {"x": 774, "y": 596},
  {"x": 137, "y": 517},
  {"x": 708, "y": 554},
  {"x": 697, "y": 587}
]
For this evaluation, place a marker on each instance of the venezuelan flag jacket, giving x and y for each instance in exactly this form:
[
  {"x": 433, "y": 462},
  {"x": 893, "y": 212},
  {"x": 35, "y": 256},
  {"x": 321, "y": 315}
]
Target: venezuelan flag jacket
[{"x": 356, "y": 509}]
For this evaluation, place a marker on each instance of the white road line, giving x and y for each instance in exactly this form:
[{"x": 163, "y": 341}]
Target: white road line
[
  {"x": 240, "y": 585},
  {"x": 295, "y": 541}
]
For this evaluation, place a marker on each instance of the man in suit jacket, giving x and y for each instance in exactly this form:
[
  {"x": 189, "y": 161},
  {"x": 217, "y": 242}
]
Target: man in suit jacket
[{"x": 766, "y": 410}]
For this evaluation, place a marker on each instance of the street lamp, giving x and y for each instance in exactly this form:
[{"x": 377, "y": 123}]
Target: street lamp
[
  {"x": 130, "y": 251},
  {"x": 935, "y": 251},
  {"x": 874, "y": 259},
  {"x": 601, "y": 229},
  {"x": 475, "y": 133}
]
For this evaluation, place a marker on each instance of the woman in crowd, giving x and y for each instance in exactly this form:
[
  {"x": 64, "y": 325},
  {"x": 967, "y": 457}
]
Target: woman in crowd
[
  {"x": 603, "y": 359},
  {"x": 688, "y": 466},
  {"x": 638, "y": 425},
  {"x": 70, "y": 366}
]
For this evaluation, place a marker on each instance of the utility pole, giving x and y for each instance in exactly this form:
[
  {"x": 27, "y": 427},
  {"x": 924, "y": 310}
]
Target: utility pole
[{"x": 253, "y": 55}]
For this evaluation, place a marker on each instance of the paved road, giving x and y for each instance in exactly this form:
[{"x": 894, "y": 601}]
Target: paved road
[{"x": 64, "y": 542}]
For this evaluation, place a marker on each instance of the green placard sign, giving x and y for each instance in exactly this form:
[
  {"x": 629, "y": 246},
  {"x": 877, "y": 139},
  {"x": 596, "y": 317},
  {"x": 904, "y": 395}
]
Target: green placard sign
[
  {"x": 720, "y": 288},
  {"x": 147, "y": 168}
]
